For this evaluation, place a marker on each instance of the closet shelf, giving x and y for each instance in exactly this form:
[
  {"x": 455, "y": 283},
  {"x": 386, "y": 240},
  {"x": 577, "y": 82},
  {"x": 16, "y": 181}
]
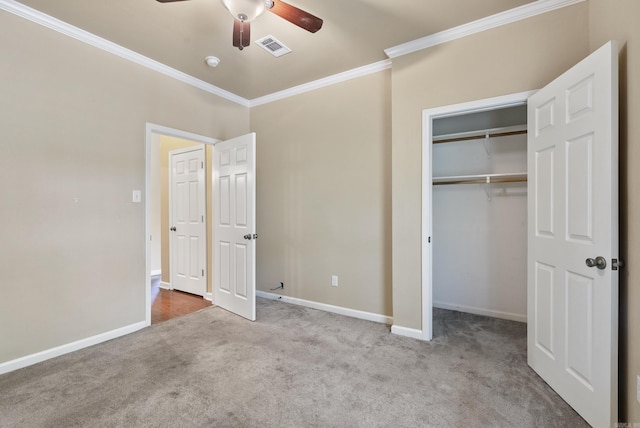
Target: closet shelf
[
  {"x": 475, "y": 135},
  {"x": 481, "y": 179}
]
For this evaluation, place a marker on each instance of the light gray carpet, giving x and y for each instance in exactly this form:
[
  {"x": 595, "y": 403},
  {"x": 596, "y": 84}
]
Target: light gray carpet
[{"x": 294, "y": 367}]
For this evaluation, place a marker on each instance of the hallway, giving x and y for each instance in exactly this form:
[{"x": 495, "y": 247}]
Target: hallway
[{"x": 168, "y": 304}]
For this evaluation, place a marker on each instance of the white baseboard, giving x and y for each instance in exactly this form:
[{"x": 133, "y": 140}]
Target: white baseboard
[
  {"x": 208, "y": 296},
  {"x": 481, "y": 311},
  {"x": 156, "y": 272},
  {"x": 47, "y": 354},
  {"x": 165, "y": 285},
  {"x": 328, "y": 308},
  {"x": 406, "y": 331}
]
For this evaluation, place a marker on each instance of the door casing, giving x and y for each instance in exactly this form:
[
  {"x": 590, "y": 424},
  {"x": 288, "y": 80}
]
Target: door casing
[
  {"x": 152, "y": 134},
  {"x": 427, "y": 180}
]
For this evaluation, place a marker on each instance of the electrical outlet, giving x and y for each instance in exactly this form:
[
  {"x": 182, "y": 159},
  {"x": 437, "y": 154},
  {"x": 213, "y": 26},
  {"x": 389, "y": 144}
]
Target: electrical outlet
[
  {"x": 282, "y": 285},
  {"x": 334, "y": 280}
]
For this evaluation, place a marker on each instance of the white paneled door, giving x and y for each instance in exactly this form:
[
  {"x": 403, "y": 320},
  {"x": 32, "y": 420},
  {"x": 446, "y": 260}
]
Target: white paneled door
[
  {"x": 234, "y": 232},
  {"x": 187, "y": 221},
  {"x": 573, "y": 236}
]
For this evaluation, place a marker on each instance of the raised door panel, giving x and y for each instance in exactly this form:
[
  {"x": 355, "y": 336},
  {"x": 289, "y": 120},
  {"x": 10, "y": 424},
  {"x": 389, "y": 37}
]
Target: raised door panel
[
  {"x": 579, "y": 328},
  {"x": 579, "y": 189},
  {"x": 544, "y": 308}
]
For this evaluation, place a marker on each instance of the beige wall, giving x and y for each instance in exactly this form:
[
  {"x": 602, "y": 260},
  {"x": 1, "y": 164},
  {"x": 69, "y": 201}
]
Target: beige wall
[
  {"x": 324, "y": 194},
  {"x": 73, "y": 134},
  {"x": 618, "y": 20},
  {"x": 518, "y": 57}
]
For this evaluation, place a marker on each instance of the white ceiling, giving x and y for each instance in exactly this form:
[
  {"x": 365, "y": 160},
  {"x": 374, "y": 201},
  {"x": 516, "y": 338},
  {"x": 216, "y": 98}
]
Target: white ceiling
[{"x": 181, "y": 34}]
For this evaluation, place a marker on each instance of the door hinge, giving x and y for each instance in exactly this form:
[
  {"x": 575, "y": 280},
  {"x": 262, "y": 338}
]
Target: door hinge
[
  {"x": 202, "y": 272},
  {"x": 429, "y": 240},
  {"x": 201, "y": 164},
  {"x": 202, "y": 218}
]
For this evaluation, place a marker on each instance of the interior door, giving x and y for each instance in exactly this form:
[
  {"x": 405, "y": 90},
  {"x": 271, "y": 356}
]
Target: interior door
[
  {"x": 573, "y": 235},
  {"x": 234, "y": 232},
  {"x": 188, "y": 228}
]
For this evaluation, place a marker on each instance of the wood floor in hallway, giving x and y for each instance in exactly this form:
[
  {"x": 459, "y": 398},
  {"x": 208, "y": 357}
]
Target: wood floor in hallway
[{"x": 167, "y": 304}]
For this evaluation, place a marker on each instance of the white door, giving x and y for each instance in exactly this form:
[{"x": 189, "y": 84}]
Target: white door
[
  {"x": 573, "y": 220},
  {"x": 234, "y": 231},
  {"x": 187, "y": 221}
]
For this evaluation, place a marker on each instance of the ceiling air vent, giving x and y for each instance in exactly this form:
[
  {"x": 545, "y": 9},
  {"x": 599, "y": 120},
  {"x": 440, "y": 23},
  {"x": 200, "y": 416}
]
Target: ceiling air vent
[{"x": 272, "y": 45}]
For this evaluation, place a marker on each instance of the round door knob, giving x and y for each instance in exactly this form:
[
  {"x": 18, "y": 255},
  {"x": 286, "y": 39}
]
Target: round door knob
[
  {"x": 173, "y": 229},
  {"x": 599, "y": 262}
]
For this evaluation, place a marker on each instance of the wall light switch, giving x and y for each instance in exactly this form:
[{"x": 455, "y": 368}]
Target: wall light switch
[
  {"x": 136, "y": 196},
  {"x": 334, "y": 280}
]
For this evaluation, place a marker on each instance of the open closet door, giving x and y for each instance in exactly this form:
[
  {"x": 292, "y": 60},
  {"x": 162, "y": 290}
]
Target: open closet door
[
  {"x": 573, "y": 236},
  {"x": 234, "y": 232}
]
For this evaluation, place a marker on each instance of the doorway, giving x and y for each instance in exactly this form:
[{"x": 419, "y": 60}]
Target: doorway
[
  {"x": 572, "y": 231},
  {"x": 159, "y": 141},
  {"x": 443, "y": 124},
  {"x": 231, "y": 227}
]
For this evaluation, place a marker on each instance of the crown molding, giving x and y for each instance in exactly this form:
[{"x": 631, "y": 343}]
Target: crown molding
[
  {"x": 62, "y": 27},
  {"x": 513, "y": 15},
  {"x": 503, "y": 18},
  {"x": 320, "y": 83}
]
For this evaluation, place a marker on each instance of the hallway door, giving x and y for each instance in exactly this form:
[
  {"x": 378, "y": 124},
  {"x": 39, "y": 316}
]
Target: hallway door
[{"x": 187, "y": 224}]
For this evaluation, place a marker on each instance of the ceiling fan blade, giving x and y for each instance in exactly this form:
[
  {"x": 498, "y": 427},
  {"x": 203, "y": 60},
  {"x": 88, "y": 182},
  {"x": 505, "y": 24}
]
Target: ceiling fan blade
[
  {"x": 296, "y": 16},
  {"x": 241, "y": 34}
]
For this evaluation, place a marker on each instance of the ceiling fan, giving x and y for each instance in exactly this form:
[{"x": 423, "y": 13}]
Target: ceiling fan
[{"x": 245, "y": 11}]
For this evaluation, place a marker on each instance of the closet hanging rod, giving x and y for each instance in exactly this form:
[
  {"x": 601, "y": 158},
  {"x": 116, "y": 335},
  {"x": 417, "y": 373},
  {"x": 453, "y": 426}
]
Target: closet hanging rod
[
  {"x": 478, "y": 136},
  {"x": 481, "y": 179}
]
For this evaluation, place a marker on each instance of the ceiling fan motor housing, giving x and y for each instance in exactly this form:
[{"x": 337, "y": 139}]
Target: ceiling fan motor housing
[{"x": 245, "y": 10}]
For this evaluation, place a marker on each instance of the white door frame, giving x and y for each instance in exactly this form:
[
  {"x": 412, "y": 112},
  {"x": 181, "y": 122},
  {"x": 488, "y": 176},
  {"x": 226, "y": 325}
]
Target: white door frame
[
  {"x": 428, "y": 116},
  {"x": 152, "y": 132}
]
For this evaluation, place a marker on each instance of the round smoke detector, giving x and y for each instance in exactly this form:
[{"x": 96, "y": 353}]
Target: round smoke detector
[{"x": 212, "y": 61}]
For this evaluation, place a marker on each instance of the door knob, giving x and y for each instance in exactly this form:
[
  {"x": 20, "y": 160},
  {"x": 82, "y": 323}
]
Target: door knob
[
  {"x": 599, "y": 262},
  {"x": 173, "y": 229},
  {"x": 247, "y": 236}
]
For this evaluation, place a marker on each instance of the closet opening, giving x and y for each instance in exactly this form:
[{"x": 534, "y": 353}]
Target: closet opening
[{"x": 475, "y": 209}]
